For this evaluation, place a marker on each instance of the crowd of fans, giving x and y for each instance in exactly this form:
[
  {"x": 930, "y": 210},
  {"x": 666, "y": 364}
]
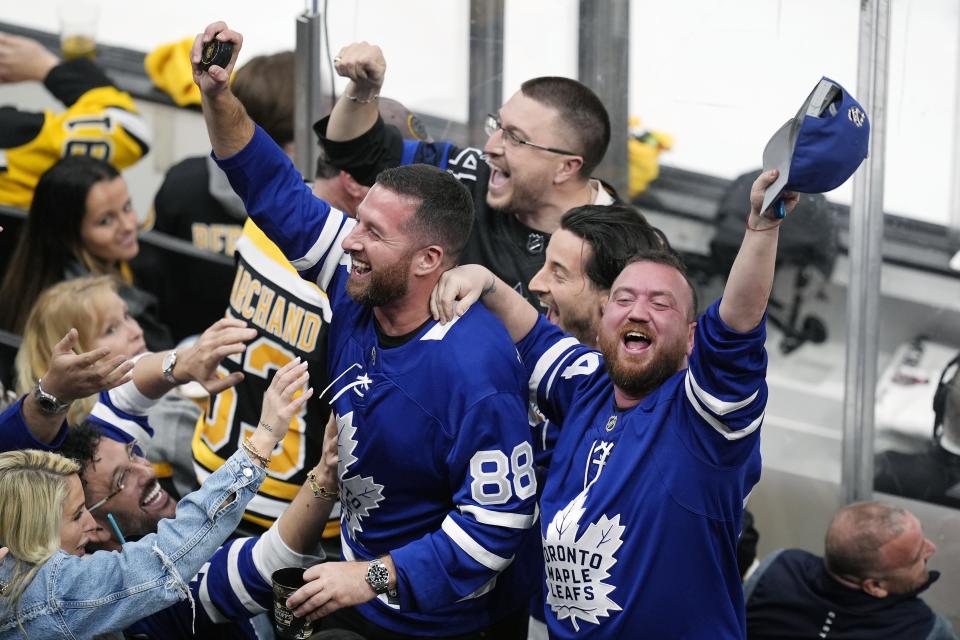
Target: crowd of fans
[{"x": 552, "y": 438}]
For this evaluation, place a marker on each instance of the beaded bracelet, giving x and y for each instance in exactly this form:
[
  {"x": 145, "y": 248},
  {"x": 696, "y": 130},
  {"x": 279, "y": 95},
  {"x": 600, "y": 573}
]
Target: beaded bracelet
[{"x": 322, "y": 492}]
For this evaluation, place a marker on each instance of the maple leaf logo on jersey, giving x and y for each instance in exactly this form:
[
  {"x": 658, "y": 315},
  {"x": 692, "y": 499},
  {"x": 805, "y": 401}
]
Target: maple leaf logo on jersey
[
  {"x": 577, "y": 567},
  {"x": 358, "y": 495}
]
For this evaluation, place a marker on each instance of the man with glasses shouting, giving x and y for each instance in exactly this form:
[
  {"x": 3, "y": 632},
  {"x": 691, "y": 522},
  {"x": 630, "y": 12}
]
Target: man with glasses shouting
[
  {"x": 125, "y": 498},
  {"x": 543, "y": 144}
]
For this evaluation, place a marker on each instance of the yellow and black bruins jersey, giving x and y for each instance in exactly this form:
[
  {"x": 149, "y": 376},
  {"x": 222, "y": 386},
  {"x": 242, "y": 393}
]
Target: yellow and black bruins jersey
[
  {"x": 100, "y": 121},
  {"x": 292, "y": 319}
]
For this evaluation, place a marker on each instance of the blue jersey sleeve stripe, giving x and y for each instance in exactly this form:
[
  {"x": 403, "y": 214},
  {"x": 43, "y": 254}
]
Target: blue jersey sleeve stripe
[
  {"x": 727, "y": 432},
  {"x": 544, "y": 363},
  {"x": 237, "y": 581},
  {"x": 714, "y": 404},
  {"x": 472, "y": 548},
  {"x": 409, "y": 151},
  {"x": 501, "y": 518},
  {"x": 328, "y": 233},
  {"x": 211, "y": 610}
]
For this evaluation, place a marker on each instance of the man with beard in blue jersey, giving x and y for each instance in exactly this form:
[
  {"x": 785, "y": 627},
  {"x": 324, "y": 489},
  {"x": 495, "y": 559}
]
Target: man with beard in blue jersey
[
  {"x": 659, "y": 440},
  {"x": 436, "y": 469}
]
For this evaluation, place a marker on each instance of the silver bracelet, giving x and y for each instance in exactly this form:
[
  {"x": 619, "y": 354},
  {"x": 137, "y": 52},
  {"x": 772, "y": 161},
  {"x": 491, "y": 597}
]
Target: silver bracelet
[{"x": 361, "y": 100}]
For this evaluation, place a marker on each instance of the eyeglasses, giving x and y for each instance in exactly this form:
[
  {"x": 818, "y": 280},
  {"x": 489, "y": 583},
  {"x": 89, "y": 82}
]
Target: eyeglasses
[
  {"x": 492, "y": 124},
  {"x": 134, "y": 451}
]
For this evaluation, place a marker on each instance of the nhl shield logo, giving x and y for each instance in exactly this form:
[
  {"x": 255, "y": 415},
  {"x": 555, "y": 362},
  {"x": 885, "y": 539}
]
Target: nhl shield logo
[
  {"x": 856, "y": 116},
  {"x": 535, "y": 243}
]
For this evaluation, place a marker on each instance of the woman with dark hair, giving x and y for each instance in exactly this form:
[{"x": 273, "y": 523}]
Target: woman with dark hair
[{"x": 81, "y": 222}]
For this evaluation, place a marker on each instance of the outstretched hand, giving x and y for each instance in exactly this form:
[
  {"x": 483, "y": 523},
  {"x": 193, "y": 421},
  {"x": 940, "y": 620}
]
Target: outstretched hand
[
  {"x": 216, "y": 79},
  {"x": 284, "y": 397},
  {"x": 72, "y": 376},
  {"x": 457, "y": 290},
  {"x": 24, "y": 59},
  {"x": 363, "y": 63},
  {"x": 199, "y": 362}
]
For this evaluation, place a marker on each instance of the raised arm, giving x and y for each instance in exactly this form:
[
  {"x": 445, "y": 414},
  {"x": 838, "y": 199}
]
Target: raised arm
[
  {"x": 459, "y": 288},
  {"x": 747, "y": 291},
  {"x": 357, "y": 109},
  {"x": 228, "y": 125}
]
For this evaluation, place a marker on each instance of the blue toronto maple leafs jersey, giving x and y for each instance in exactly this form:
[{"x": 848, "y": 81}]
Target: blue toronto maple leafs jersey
[
  {"x": 641, "y": 508},
  {"x": 436, "y": 463}
]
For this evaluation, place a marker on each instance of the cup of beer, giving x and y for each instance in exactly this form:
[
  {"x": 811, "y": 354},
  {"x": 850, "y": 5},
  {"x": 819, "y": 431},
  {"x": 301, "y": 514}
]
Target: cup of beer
[
  {"x": 78, "y": 29},
  {"x": 287, "y": 626}
]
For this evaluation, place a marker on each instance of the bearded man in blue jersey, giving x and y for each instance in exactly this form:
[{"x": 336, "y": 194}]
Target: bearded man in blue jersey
[
  {"x": 436, "y": 470},
  {"x": 659, "y": 440}
]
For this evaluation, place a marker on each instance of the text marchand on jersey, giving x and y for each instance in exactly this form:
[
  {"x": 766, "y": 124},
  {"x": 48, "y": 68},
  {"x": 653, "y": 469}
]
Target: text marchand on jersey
[{"x": 258, "y": 302}]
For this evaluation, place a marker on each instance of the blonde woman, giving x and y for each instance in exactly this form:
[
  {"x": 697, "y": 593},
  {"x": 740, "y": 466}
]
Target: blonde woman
[
  {"x": 48, "y": 590},
  {"x": 92, "y": 306}
]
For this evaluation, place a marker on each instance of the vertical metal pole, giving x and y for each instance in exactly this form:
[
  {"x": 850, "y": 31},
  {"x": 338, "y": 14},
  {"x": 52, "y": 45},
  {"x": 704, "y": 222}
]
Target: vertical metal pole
[
  {"x": 604, "y": 67},
  {"x": 486, "y": 65},
  {"x": 308, "y": 74},
  {"x": 954, "y": 213},
  {"x": 866, "y": 238}
]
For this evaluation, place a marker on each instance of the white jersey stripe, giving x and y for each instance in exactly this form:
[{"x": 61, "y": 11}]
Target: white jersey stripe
[
  {"x": 500, "y": 518},
  {"x": 719, "y": 427},
  {"x": 438, "y": 331},
  {"x": 236, "y": 582},
  {"x": 482, "y": 591},
  {"x": 105, "y": 413},
  {"x": 212, "y": 612},
  {"x": 546, "y": 360},
  {"x": 472, "y": 548},
  {"x": 132, "y": 123},
  {"x": 715, "y": 404},
  {"x": 335, "y": 256},
  {"x": 331, "y": 229}
]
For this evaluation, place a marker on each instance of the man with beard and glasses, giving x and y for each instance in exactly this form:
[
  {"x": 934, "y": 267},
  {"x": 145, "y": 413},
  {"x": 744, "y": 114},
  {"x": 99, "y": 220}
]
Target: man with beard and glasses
[
  {"x": 543, "y": 144},
  {"x": 438, "y": 489},
  {"x": 659, "y": 446}
]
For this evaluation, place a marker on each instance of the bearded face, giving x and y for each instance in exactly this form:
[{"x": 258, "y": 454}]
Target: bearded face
[
  {"x": 644, "y": 362},
  {"x": 379, "y": 287}
]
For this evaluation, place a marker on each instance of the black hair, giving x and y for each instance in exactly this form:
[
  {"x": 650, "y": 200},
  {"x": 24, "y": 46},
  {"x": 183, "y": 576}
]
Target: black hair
[
  {"x": 582, "y": 112},
  {"x": 614, "y": 233},
  {"x": 80, "y": 444},
  {"x": 50, "y": 239},
  {"x": 445, "y": 213}
]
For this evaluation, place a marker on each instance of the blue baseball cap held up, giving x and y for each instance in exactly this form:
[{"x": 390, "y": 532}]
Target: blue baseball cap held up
[{"x": 819, "y": 148}]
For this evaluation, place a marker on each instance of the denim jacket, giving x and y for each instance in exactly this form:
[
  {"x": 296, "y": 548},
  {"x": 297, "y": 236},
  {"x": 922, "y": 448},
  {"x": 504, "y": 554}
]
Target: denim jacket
[{"x": 72, "y": 597}]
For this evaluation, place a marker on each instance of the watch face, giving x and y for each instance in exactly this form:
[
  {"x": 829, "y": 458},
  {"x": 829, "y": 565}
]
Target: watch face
[{"x": 378, "y": 577}]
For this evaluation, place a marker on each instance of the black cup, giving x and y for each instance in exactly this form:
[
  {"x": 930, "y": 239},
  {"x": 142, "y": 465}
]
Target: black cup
[{"x": 285, "y": 582}]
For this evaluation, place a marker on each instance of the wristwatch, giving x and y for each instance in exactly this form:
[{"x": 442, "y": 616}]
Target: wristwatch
[
  {"x": 378, "y": 576},
  {"x": 169, "y": 362},
  {"x": 47, "y": 402}
]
